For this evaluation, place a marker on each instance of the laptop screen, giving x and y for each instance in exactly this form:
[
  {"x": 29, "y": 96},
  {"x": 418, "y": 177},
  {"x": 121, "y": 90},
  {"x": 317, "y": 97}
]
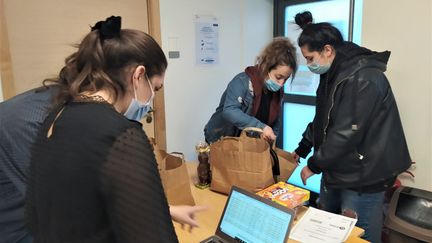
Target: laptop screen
[{"x": 247, "y": 219}]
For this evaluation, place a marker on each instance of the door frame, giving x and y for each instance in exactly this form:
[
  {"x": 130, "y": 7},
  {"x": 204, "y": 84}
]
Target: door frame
[
  {"x": 6, "y": 74},
  {"x": 154, "y": 27}
]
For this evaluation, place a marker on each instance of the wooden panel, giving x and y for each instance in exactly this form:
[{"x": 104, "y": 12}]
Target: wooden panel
[
  {"x": 41, "y": 33},
  {"x": 6, "y": 73},
  {"x": 159, "y": 101}
]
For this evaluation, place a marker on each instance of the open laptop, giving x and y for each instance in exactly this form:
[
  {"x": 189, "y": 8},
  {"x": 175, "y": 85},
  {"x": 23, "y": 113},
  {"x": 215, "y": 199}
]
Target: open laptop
[{"x": 249, "y": 218}]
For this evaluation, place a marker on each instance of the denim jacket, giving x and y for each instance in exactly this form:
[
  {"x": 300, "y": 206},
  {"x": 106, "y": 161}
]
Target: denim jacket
[{"x": 233, "y": 113}]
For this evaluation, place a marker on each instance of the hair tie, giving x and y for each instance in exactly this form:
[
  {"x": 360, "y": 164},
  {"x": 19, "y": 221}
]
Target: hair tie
[{"x": 109, "y": 28}]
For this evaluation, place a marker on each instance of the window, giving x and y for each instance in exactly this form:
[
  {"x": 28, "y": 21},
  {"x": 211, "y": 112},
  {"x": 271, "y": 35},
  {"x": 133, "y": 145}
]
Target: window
[{"x": 299, "y": 100}]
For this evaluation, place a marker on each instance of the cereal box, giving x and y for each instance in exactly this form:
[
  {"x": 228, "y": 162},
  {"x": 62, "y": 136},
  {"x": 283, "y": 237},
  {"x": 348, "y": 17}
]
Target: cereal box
[{"x": 285, "y": 194}]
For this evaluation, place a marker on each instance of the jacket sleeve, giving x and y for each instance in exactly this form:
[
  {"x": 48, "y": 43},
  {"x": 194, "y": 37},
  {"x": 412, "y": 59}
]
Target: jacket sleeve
[
  {"x": 342, "y": 139},
  {"x": 306, "y": 144},
  {"x": 132, "y": 190},
  {"x": 235, "y": 105},
  {"x": 276, "y": 125}
]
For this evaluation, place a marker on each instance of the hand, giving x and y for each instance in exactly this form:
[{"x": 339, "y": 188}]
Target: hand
[
  {"x": 184, "y": 214},
  {"x": 268, "y": 134},
  {"x": 305, "y": 174},
  {"x": 295, "y": 156}
]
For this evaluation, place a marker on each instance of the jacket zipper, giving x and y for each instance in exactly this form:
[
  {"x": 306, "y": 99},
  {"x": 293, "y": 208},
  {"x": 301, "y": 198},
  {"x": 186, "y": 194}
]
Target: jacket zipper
[{"x": 331, "y": 107}]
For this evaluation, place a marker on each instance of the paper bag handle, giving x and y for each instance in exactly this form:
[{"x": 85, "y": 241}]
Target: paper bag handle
[
  {"x": 178, "y": 153},
  {"x": 250, "y": 129},
  {"x": 275, "y": 160}
]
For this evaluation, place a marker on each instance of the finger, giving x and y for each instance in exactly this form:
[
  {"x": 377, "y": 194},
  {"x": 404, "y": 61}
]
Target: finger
[
  {"x": 182, "y": 226},
  {"x": 193, "y": 223},
  {"x": 200, "y": 208}
]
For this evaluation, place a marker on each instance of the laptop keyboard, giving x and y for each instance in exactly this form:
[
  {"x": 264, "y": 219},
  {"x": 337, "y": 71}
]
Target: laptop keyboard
[{"x": 214, "y": 241}]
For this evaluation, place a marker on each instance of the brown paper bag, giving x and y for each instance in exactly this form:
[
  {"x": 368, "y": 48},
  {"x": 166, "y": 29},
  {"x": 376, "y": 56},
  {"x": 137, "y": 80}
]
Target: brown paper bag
[
  {"x": 160, "y": 154},
  {"x": 242, "y": 161},
  {"x": 287, "y": 164},
  {"x": 174, "y": 176},
  {"x": 175, "y": 180}
]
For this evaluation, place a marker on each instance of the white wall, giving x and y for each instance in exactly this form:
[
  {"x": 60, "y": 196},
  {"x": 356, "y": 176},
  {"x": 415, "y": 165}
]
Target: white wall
[
  {"x": 405, "y": 28},
  {"x": 192, "y": 92},
  {"x": 429, "y": 187}
]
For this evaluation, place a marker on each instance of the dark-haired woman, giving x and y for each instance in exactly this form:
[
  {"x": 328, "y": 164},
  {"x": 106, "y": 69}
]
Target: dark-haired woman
[
  {"x": 357, "y": 136},
  {"x": 93, "y": 174},
  {"x": 252, "y": 98}
]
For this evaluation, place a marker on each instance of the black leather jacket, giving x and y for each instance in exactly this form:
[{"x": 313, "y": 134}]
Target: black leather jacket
[{"x": 362, "y": 141}]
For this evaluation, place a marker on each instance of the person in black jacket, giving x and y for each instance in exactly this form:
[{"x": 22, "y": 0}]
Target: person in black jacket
[{"x": 357, "y": 135}]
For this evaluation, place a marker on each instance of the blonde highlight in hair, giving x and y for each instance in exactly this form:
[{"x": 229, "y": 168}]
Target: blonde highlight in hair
[{"x": 278, "y": 52}]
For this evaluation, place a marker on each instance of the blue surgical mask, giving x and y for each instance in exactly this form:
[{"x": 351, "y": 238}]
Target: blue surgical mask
[
  {"x": 315, "y": 67},
  {"x": 138, "y": 110},
  {"x": 272, "y": 85}
]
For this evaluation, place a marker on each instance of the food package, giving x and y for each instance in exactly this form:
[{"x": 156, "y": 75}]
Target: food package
[{"x": 285, "y": 194}]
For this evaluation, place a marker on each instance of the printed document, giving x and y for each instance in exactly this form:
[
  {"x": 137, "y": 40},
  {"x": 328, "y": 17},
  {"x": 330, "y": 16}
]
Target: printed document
[{"x": 321, "y": 226}]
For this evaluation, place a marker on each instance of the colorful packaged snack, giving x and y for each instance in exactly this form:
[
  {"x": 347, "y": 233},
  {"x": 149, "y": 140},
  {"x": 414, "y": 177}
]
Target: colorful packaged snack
[{"x": 285, "y": 194}]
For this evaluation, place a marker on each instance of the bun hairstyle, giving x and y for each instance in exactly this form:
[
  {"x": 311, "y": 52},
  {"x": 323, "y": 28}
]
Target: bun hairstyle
[
  {"x": 105, "y": 58},
  {"x": 303, "y": 19},
  {"x": 316, "y": 36}
]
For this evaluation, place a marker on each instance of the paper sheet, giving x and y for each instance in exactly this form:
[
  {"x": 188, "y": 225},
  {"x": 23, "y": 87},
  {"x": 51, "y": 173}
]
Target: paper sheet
[{"x": 321, "y": 226}]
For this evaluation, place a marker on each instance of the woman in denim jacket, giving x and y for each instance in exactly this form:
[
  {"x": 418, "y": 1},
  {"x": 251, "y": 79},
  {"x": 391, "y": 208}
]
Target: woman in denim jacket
[{"x": 253, "y": 98}]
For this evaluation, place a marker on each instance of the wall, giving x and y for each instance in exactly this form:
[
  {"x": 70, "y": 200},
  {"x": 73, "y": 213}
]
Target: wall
[
  {"x": 405, "y": 28},
  {"x": 41, "y": 33},
  {"x": 192, "y": 92}
]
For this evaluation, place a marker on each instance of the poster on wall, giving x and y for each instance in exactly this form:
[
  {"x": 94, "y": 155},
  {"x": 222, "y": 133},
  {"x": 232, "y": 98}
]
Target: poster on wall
[{"x": 206, "y": 39}]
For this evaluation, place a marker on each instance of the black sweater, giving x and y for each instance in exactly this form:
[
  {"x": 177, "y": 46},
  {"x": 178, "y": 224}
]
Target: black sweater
[{"x": 95, "y": 179}]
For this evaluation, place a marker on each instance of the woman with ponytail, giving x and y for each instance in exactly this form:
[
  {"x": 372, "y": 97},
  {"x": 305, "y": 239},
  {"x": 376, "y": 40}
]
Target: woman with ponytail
[
  {"x": 93, "y": 175},
  {"x": 357, "y": 135}
]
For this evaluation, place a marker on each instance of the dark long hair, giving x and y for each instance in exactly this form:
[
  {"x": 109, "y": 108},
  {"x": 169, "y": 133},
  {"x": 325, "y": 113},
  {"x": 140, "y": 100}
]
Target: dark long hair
[
  {"x": 316, "y": 36},
  {"x": 102, "y": 63}
]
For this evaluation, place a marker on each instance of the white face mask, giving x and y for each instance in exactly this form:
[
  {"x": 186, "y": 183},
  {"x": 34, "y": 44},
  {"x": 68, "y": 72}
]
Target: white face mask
[
  {"x": 317, "y": 68},
  {"x": 272, "y": 85},
  {"x": 138, "y": 110}
]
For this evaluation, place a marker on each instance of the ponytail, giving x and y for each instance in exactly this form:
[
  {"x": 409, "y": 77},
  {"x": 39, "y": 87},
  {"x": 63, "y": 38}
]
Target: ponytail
[{"x": 103, "y": 58}]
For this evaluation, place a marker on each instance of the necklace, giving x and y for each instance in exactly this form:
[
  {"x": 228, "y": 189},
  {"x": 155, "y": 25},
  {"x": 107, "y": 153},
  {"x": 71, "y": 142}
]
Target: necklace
[{"x": 92, "y": 98}]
